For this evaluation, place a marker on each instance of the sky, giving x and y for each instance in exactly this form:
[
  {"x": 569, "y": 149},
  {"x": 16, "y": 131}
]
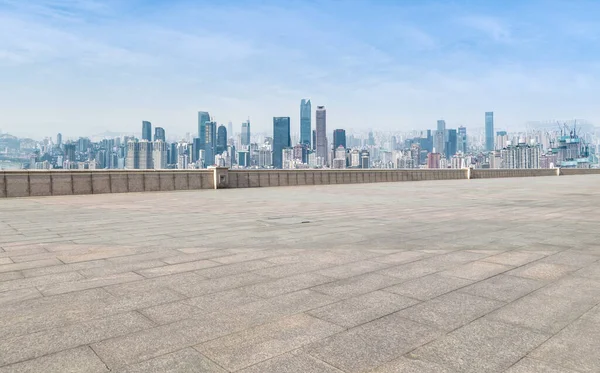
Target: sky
[{"x": 82, "y": 67}]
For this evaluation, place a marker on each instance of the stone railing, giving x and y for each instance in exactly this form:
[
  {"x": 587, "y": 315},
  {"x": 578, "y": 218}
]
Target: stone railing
[{"x": 27, "y": 183}]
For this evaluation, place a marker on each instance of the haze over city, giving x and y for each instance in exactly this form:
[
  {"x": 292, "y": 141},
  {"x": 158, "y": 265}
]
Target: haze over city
[{"x": 87, "y": 66}]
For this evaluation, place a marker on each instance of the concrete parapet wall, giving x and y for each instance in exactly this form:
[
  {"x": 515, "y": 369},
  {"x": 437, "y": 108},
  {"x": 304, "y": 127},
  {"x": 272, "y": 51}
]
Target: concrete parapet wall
[{"x": 26, "y": 183}]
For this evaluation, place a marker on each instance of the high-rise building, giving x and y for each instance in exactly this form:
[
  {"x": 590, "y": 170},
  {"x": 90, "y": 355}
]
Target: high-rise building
[
  {"x": 133, "y": 155},
  {"x": 321, "y": 118},
  {"x": 305, "y": 122},
  {"x": 365, "y": 159},
  {"x": 433, "y": 160},
  {"x": 301, "y": 153},
  {"x": 159, "y": 154},
  {"x": 221, "y": 139},
  {"x": 246, "y": 133},
  {"x": 59, "y": 140},
  {"x": 146, "y": 131},
  {"x": 70, "y": 149},
  {"x": 501, "y": 140},
  {"x": 196, "y": 147},
  {"x": 371, "y": 141},
  {"x": 210, "y": 142},
  {"x": 462, "y": 140},
  {"x": 441, "y": 126},
  {"x": 230, "y": 129},
  {"x": 159, "y": 134},
  {"x": 314, "y": 140},
  {"x": 489, "y": 131},
  {"x": 145, "y": 157},
  {"x": 281, "y": 139},
  {"x": 173, "y": 156},
  {"x": 451, "y": 143},
  {"x": 339, "y": 138},
  {"x": 203, "y": 117}
]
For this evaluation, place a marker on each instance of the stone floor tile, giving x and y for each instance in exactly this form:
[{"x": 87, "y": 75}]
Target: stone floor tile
[
  {"x": 542, "y": 271},
  {"x": 541, "y": 312},
  {"x": 274, "y": 287},
  {"x": 528, "y": 365},
  {"x": 408, "y": 365},
  {"x": 514, "y": 258},
  {"x": 482, "y": 346},
  {"x": 6, "y": 261},
  {"x": 352, "y": 269},
  {"x": 477, "y": 271},
  {"x": 67, "y": 287},
  {"x": 363, "y": 308},
  {"x": 571, "y": 258},
  {"x": 234, "y": 269},
  {"x": 35, "y": 345},
  {"x": 31, "y": 282},
  {"x": 251, "y": 346},
  {"x": 177, "y": 268},
  {"x": 576, "y": 346},
  {"x": 17, "y": 296},
  {"x": 28, "y": 265},
  {"x": 427, "y": 287},
  {"x": 576, "y": 288},
  {"x": 592, "y": 271},
  {"x": 356, "y": 285},
  {"x": 77, "y": 360},
  {"x": 503, "y": 287},
  {"x": 417, "y": 269},
  {"x": 372, "y": 344},
  {"x": 292, "y": 362},
  {"x": 290, "y": 269},
  {"x": 184, "y": 361}
]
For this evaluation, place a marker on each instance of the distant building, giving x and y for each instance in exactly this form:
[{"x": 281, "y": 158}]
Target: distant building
[
  {"x": 339, "y": 139},
  {"x": 501, "y": 140},
  {"x": 159, "y": 155},
  {"x": 451, "y": 143},
  {"x": 146, "y": 131},
  {"x": 59, "y": 140},
  {"x": 245, "y": 137},
  {"x": 365, "y": 159},
  {"x": 462, "y": 140},
  {"x": 521, "y": 156},
  {"x": 305, "y": 122},
  {"x": 321, "y": 125},
  {"x": 281, "y": 139},
  {"x": 221, "y": 139},
  {"x": 203, "y": 117},
  {"x": 210, "y": 143},
  {"x": 433, "y": 160},
  {"x": 301, "y": 153},
  {"x": 159, "y": 134},
  {"x": 489, "y": 131},
  {"x": 314, "y": 140}
]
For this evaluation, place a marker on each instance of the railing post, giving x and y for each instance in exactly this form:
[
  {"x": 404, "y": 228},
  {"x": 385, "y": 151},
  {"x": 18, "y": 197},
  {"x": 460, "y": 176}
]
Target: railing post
[{"x": 468, "y": 173}]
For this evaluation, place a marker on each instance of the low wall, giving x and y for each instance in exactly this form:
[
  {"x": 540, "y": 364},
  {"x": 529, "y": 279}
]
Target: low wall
[{"x": 70, "y": 182}]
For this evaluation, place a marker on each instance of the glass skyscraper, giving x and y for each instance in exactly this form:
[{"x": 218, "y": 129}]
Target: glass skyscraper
[
  {"x": 221, "y": 139},
  {"x": 305, "y": 122},
  {"x": 159, "y": 134},
  {"x": 339, "y": 138},
  {"x": 281, "y": 139},
  {"x": 462, "y": 139},
  {"x": 489, "y": 131},
  {"x": 146, "y": 131},
  {"x": 321, "y": 147},
  {"x": 210, "y": 143},
  {"x": 451, "y": 143},
  {"x": 246, "y": 133},
  {"x": 203, "y": 117}
]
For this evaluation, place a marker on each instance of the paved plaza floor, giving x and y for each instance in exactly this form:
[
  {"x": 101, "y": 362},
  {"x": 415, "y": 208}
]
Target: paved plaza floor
[{"x": 496, "y": 275}]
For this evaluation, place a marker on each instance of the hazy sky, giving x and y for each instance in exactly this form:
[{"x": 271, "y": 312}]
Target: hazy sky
[{"x": 85, "y": 66}]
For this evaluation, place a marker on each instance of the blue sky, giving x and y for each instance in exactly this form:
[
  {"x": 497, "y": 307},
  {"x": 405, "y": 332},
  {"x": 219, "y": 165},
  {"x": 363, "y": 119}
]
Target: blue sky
[{"x": 85, "y": 66}]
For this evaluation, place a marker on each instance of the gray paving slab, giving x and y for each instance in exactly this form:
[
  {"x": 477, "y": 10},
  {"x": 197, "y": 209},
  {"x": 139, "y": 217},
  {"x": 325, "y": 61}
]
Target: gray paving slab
[
  {"x": 528, "y": 365},
  {"x": 482, "y": 346},
  {"x": 372, "y": 344},
  {"x": 392, "y": 263}
]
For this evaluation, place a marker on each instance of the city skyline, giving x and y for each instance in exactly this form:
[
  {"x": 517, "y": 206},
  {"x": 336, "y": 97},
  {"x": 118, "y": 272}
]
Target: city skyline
[{"x": 463, "y": 59}]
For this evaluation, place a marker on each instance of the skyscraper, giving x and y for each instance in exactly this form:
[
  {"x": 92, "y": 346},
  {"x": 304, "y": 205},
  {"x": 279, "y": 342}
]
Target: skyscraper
[
  {"x": 339, "y": 139},
  {"x": 210, "y": 142},
  {"x": 203, "y": 117},
  {"x": 451, "y": 143},
  {"x": 314, "y": 139},
  {"x": 321, "y": 117},
  {"x": 221, "y": 139},
  {"x": 246, "y": 133},
  {"x": 59, "y": 140},
  {"x": 230, "y": 129},
  {"x": 281, "y": 139},
  {"x": 146, "y": 131},
  {"x": 159, "y": 134},
  {"x": 305, "y": 123},
  {"x": 159, "y": 154},
  {"x": 462, "y": 139},
  {"x": 489, "y": 131}
]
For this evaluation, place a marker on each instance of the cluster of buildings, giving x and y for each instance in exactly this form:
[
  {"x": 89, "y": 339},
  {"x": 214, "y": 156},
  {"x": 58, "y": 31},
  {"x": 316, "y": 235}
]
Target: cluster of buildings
[{"x": 316, "y": 147}]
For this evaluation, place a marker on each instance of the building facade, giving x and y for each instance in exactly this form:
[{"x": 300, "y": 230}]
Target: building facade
[
  {"x": 281, "y": 139},
  {"x": 321, "y": 134},
  {"x": 146, "y": 131},
  {"x": 305, "y": 122},
  {"x": 489, "y": 131}
]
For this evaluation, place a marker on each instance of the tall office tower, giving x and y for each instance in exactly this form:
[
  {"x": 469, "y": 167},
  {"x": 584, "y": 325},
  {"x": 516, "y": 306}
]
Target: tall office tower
[
  {"x": 196, "y": 147},
  {"x": 489, "y": 131},
  {"x": 305, "y": 124},
  {"x": 221, "y": 139},
  {"x": 203, "y": 117},
  {"x": 145, "y": 157},
  {"x": 339, "y": 139},
  {"x": 365, "y": 159},
  {"x": 230, "y": 129},
  {"x": 314, "y": 140},
  {"x": 441, "y": 125},
  {"x": 70, "y": 149},
  {"x": 281, "y": 139},
  {"x": 133, "y": 155},
  {"x": 146, "y": 131},
  {"x": 438, "y": 142},
  {"x": 462, "y": 139},
  {"x": 322, "y": 134},
  {"x": 210, "y": 143},
  {"x": 433, "y": 160},
  {"x": 159, "y": 154},
  {"x": 371, "y": 140},
  {"x": 451, "y": 143},
  {"x": 159, "y": 134},
  {"x": 245, "y": 138},
  {"x": 59, "y": 140}
]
